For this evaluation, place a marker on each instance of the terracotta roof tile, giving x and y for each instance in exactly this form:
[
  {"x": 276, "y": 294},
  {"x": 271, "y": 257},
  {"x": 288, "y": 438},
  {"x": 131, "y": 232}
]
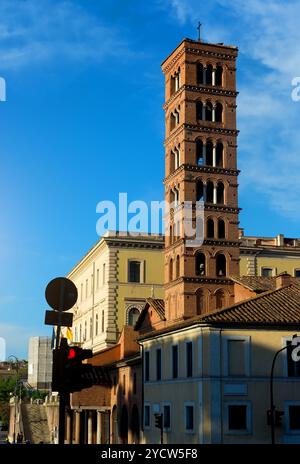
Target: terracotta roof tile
[{"x": 274, "y": 307}]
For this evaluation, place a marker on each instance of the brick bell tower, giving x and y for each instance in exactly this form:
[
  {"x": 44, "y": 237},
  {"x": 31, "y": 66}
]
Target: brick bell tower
[{"x": 201, "y": 165}]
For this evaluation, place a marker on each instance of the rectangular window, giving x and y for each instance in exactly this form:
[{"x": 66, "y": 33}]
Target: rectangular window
[
  {"x": 293, "y": 367},
  {"x": 267, "y": 272},
  {"x": 167, "y": 416},
  {"x": 189, "y": 418},
  {"x": 134, "y": 271},
  {"x": 147, "y": 415},
  {"x": 86, "y": 288},
  {"x": 158, "y": 364},
  {"x": 103, "y": 274},
  {"x": 97, "y": 278},
  {"x": 237, "y": 417},
  {"x": 236, "y": 357},
  {"x": 147, "y": 366},
  {"x": 81, "y": 292},
  {"x": 189, "y": 359},
  {"x": 134, "y": 383},
  {"x": 175, "y": 361},
  {"x": 124, "y": 384},
  {"x": 297, "y": 273},
  {"x": 294, "y": 418},
  {"x": 115, "y": 384},
  {"x": 92, "y": 284},
  {"x": 102, "y": 321},
  {"x": 91, "y": 327}
]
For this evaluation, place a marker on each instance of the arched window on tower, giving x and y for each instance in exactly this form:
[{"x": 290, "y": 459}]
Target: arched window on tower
[
  {"x": 200, "y": 264},
  {"x": 199, "y": 152},
  {"x": 133, "y": 316},
  {"x": 219, "y": 76},
  {"x": 221, "y": 228},
  {"x": 172, "y": 121},
  {"x": 199, "y": 110},
  {"x": 177, "y": 266},
  {"x": 199, "y": 191},
  {"x": 208, "y": 112},
  {"x": 221, "y": 265},
  {"x": 200, "y": 302},
  {"x": 209, "y": 70},
  {"x": 177, "y": 157},
  {"x": 199, "y": 73},
  {"x": 219, "y": 112},
  {"x": 172, "y": 161},
  {"x": 171, "y": 270},
  {"x": 210, "y": 228},
  {"x": 219, "y": 155},
  {"x": 220, "y": 193},
  {"x": 209, "y": 153},
  {"x": 210, "y": 192},
  {"x": 220, "y": 299}
]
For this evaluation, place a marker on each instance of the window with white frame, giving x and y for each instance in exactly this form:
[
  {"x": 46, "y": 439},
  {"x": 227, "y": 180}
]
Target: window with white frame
[
  {"x": 189, "y": 417},
  {"x": 268, "y": 272},
  {"x": 237, "y": 356},
  {"x": 136, "y": 271},
  {"x": 147, "y": 415},
  {"x": 238, "y": 418}
]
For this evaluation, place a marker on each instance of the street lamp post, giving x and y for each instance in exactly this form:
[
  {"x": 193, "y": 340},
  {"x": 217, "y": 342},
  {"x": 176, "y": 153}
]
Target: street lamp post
[
  {"x": 272, "y": 405},
  {"x": 15, "y": 395}
]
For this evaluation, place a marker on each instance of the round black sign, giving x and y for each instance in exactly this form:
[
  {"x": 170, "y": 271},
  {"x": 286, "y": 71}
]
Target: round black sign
[{"x": 61, "y": 294}]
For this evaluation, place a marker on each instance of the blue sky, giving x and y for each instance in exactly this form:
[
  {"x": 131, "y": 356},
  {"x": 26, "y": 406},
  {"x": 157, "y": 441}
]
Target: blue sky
[{"x": 83, "y": 121}]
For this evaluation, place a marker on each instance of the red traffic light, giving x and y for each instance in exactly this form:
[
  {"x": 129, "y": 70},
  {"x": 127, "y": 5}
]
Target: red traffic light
[{"x": 72, "y": 353}]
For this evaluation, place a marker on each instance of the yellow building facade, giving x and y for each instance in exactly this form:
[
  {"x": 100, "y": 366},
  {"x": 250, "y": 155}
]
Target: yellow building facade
[
  {"x": 113, "y": 281},
  {"x": 269, "y": 256},
  {"x": 210, "y": 377}
]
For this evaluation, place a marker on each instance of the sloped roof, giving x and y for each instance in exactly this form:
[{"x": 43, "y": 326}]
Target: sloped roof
[
  {"x": 157, "y": 304},
  {"x": 259, "y": 283},
  {"x": 280, "y": 306},
  {"x": 275, "y": 307}
]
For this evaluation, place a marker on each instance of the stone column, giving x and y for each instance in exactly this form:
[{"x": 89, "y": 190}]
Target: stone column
[
  {"x": 204, "y": 192},
  {"x": 214, "y": 155},
  {"x": 213, "y": 116},
  {"x": 215, "y": 195},
  {"x": 98, "y": 427},
  {"x": 68, "y": 428},
  {"x": 77, "y": 427},
  {"x": 204, "y": 75},
  {"x": 90, "y": 428},
  {"x": 204, "y": 154},
  {"x": 214, "y": 76}
]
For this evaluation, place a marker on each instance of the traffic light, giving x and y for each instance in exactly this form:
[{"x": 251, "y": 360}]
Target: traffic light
[
  {"x": 278, "y": 418},
  {"x": 158, "y": 421},
  {"x": 68, "y": 372}
]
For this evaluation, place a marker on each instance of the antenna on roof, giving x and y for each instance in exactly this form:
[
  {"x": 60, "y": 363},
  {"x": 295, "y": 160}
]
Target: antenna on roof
[{"x": 199, "y": 31}]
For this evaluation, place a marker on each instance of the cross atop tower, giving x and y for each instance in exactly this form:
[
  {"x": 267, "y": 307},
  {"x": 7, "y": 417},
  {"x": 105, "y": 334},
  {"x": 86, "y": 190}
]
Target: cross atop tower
[{"x": 199, "y": 31}]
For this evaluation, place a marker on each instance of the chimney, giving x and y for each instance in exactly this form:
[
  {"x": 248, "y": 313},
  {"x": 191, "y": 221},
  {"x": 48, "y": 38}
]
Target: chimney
[{"x": 283, "y": 279}]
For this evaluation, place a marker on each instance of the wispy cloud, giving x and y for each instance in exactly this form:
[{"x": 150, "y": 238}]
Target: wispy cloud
[
  {"x": 41, "y": 30},
  {"x": 268, "y": 36}
]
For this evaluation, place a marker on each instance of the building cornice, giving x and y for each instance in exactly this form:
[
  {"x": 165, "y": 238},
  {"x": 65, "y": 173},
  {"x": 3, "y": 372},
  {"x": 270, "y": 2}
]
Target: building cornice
[
  {"x": 203, "y": 169},
  {"x": 203, "y": 89},
  {"x": 200, "y": 128}
]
